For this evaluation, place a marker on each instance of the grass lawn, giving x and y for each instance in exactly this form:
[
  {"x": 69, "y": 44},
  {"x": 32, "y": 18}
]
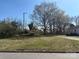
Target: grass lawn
[{"x": 50, "y": 44}]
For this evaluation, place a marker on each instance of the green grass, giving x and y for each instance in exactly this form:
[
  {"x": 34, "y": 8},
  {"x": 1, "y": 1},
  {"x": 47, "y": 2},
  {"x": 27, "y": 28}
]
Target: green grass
[{"x": 52, "y": 43}]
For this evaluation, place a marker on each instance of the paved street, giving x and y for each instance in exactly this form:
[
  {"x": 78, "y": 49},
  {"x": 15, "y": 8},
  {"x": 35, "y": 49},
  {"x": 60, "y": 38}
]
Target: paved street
[{"x": 39, "y": 56}]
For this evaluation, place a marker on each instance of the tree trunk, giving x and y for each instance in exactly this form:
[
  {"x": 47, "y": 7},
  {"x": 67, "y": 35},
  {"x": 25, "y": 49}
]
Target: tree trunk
[
  {"x": 45, "y": 27},
  {"x": 50, "y": 28}
]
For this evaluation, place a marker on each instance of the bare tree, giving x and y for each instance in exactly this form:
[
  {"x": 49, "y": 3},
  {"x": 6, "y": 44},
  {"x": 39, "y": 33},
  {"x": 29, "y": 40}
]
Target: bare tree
[
  {"x": 43, "y": 13},
  {"x": 61, "y": 20},
  {"x": 49, "y": 16}
]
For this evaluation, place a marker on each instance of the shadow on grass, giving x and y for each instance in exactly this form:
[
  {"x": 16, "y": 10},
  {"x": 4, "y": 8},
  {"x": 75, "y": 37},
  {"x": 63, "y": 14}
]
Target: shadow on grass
[{"x": 21, "y": 37}]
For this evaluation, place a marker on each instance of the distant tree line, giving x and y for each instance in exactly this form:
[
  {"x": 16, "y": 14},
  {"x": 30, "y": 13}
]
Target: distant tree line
[{"x": 9, "y": 27}]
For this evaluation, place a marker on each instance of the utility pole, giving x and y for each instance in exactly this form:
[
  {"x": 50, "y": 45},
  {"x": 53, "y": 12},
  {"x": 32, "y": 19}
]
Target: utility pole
[{"x": 24, "y": 13}]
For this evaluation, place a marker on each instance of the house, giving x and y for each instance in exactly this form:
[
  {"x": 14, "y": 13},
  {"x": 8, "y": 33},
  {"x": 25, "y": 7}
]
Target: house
[
  {"x": 76, "y": 30},
  {"x": 73, "y": 30}
]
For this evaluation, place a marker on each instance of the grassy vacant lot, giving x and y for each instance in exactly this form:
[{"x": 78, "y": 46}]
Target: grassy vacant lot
[{"x": 50, "y": 44}]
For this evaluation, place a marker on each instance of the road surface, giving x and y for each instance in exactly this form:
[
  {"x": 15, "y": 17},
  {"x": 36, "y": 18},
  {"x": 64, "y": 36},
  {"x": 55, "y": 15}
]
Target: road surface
[{"x": 39, "y": 56}]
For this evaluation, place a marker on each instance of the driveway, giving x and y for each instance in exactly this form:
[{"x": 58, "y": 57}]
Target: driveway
[{"x": 69, "y": 37}]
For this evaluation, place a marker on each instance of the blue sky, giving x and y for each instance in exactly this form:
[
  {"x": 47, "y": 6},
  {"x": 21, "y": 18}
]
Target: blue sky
[{"x": 15, "y": 8}]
